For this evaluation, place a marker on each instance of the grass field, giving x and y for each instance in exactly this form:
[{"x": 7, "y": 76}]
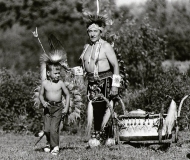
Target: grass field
[{"x": 21, "y": 147}]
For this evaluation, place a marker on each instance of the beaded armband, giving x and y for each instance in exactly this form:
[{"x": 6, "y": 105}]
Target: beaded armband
[{"x": 116, "y": 80}]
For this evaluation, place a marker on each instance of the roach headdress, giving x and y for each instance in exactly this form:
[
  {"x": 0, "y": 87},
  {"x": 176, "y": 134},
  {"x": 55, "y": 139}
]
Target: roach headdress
[
  {"x": 57, "y": 55},
  {"x": 98, "y": 21}
]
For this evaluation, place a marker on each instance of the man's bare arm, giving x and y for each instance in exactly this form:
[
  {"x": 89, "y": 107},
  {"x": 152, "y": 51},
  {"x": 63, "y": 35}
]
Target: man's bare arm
[
  {"x": 111, "y": 57},
  {"x": 113, "y": 60}
]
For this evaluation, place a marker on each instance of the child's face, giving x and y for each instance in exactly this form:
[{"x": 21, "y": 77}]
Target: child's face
[{"x": 54, "y": 74}]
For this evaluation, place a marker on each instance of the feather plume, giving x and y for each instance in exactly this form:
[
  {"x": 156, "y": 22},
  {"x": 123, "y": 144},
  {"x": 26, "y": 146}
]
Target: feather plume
[
  {"x": 53, "y": 57},
  {"x": 180, "y": 105},
  {"x": 55, "y": 44},
  {"x": 57, "y": 52},
  {"x": 56, "y": 55},
  {"x": 36, "y": 98},
  {"x": 43, "y": 71},
  {"x": 171, "y": 117}
]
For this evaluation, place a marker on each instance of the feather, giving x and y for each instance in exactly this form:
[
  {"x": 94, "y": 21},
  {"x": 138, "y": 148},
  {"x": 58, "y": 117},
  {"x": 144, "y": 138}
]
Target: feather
[
  {"x": 70, "y": 86},
  {"x": 36, "y": 94},
  {"x": 77, "y": 98},
  {"x": 36, "y": 98},
  {"x": 79, "y": 104},
  {"x": 57, "y": 54},
  {"x": 77, "y": 110},
  {"x": 55, "y": 44},
  {"x": 43, "y": 71},
  {"x": 171, "y": 117},
  {"x": 73, "y": 117},
  {"x": 66, "y": 83},
  {"x": 98, "y": 7},
  {"x": 89, "y": 118},
  {"x": 90, "y": 17},
  {"x": 76, "y": 92},
  {"x": 180, "y": 105}
]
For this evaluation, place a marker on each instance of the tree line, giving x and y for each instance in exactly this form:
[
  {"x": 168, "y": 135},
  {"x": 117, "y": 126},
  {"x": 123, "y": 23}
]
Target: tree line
[{"x": 19, "y": 50}]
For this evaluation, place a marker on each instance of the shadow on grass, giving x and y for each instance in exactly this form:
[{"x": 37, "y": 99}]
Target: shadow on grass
[
  {"x": 60, "y": 149},
  {"x": 39, "y": 149},
  {"x": 70, "y": 147},
  {"x": 154, "y": 146}
]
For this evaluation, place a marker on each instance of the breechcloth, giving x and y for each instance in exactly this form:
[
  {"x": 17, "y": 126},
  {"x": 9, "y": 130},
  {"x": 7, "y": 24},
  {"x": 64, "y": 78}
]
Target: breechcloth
[
  {"x": 95, "y": 87},
  {"x": 52, "y": 119}
]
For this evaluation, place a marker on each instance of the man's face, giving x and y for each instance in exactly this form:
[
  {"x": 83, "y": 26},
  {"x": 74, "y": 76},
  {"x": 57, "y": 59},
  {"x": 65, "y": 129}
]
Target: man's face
[
  {"x": 54, "y": 74},
  {"x": 94, "y": 34}
]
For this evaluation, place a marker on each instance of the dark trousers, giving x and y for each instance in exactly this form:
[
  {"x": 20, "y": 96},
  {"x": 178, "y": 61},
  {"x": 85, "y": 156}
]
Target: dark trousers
[
  {"x": 52, "y": 119},
  {"x": 99, "y": 109}
]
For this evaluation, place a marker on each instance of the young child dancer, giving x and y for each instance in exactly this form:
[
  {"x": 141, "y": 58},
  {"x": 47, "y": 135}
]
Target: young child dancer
[{"x": 51, "y": 92}]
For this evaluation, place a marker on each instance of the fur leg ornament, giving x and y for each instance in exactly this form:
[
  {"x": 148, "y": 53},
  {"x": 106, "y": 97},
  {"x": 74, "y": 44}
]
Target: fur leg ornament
[{"x": 89, "y": 118}]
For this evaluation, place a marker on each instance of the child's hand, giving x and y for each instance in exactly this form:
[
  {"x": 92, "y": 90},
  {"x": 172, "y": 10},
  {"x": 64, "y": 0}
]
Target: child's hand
[{"x": 46, "y": 104}]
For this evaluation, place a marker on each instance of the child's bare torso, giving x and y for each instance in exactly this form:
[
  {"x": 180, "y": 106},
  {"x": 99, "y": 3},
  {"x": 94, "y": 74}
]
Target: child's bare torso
[{"x": 53, "y": 91}]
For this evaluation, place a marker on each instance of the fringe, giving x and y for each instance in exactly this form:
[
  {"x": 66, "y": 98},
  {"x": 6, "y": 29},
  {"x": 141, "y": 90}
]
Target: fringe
[{"x": 89, "y": 118}]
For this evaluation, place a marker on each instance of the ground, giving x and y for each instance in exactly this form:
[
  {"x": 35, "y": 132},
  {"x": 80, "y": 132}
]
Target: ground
[{"x": 17, "y": 147}]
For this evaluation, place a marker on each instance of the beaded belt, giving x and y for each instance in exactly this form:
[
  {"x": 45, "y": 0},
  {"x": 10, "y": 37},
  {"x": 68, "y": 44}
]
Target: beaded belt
[
  {"x": 102, "y": 75},
  {"x": 54, "y": 103}
]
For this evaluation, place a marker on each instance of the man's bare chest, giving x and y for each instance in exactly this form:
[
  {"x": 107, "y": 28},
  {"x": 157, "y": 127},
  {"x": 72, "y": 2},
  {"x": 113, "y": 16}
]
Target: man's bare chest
[{"x": 92, "y": 52}]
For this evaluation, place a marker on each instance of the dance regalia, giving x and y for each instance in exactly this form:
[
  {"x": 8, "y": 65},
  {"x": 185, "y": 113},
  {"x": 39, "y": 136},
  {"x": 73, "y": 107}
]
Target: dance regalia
[{"x": 98, "y": 83}]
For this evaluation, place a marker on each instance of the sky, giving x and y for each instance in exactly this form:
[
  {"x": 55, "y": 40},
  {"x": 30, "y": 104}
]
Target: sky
[{"x": 128, "y": 2}]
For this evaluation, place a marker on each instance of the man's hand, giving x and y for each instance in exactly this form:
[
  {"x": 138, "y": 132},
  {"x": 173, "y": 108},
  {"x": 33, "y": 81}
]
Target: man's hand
[{"x": 114, "y": 90}]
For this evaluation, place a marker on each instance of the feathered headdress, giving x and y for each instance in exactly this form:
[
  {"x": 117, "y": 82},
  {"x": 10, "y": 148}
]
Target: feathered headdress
[
  {"x": 96, "y": 20},
  {"x": 57, "y": 54}
]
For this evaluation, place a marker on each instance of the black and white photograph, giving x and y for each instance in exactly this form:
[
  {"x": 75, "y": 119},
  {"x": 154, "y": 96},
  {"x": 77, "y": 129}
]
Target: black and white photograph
[{"x": 95, "y": 79}]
